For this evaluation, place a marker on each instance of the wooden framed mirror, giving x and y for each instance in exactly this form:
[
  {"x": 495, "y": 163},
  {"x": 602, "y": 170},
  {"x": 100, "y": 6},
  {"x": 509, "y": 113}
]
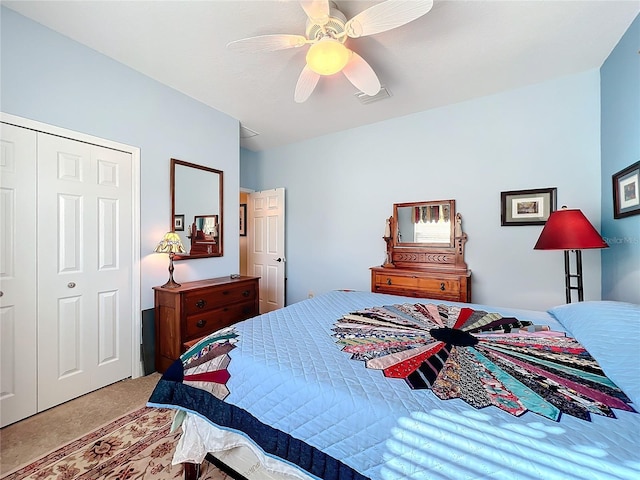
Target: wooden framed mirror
[
  {"x": 422, "y": 224},
  {"x": 196, "y": 208}
]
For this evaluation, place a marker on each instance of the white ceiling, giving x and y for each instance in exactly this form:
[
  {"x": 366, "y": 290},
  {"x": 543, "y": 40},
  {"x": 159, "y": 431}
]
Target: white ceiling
[{"x": 457, "y": 51}]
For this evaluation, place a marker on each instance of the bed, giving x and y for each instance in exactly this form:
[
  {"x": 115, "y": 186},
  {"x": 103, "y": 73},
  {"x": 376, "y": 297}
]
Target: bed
[{"x": 330, "y": 388}]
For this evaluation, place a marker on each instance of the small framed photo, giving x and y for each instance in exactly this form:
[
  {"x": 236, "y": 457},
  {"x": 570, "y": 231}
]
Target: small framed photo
[
  {"x": 626, "y": 198},
  {"x": 243, "y": 219},
  {"x": 178, "y": 223},
  {"x": 527, "y": 207}
]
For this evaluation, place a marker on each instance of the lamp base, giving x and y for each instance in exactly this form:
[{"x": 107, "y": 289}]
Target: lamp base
[
  {"x": 568, "y": 276},
  {"x": 171, "y": 284}
]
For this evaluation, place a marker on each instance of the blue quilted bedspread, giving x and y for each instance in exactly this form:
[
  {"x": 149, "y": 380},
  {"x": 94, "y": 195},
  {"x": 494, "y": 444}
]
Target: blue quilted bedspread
[{"x": 283, "y": 381}]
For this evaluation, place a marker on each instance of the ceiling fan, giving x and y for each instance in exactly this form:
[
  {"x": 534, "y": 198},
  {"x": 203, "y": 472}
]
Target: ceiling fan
[{"x": 326, "y": 31}]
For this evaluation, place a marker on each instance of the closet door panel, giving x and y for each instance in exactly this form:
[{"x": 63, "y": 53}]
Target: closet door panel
[
  {"x": 66, "y": 333},
  {"x": 108, "y": 327},
  {"x": 17, "y": 274},
  {"x": 85, "y": 262},
  {"x": 70, "y": 336},
  {"x": 114, "y": 262},
  {"x": 69, "y": 236}
]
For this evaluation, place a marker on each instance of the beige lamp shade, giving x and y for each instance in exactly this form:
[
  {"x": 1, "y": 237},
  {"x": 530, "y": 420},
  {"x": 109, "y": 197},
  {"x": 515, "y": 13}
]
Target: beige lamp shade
[{"x": 170, "y": 243}]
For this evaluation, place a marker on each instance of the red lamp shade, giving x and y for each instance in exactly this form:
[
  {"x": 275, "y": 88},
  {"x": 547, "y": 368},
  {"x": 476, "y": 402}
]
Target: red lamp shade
[{"x": 569, "y": 229}]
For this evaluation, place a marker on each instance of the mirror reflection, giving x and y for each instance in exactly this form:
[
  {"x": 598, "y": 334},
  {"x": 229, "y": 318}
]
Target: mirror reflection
[
  {"x": 424, "y": 223},
  {"x": 197, "y": 208},
  {"x": 204, "y": 235}
]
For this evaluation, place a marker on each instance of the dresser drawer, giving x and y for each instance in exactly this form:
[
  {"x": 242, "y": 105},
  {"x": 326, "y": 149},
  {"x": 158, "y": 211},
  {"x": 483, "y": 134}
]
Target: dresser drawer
[
  {"x": 433, "y": 284},
  {"x": 439, "y": 286},
  {"x": 204, "y": 300},
  {"x": 208, "y": 322}
]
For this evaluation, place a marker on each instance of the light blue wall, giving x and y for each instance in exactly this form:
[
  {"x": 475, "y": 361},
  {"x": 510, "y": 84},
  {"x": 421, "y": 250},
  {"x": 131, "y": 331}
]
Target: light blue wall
[
  {"x": 341, "y": 187},
  {"x": 250, "y": 169},
  {"x": 49, "y": 78},
  {"x": 620, "y": 78}
]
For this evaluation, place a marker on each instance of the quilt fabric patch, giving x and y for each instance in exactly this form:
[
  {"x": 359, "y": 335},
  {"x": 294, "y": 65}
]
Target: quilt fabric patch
[
  {"x": 205, "y": 363},
  {"x": 482, "y": 358}
]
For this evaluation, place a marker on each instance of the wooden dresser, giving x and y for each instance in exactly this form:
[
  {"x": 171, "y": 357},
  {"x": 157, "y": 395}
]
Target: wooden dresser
[
  {"x": 196, "y": 309},
  {"x": 420, "y": 283},
  {"x": 425, "y": 253}
]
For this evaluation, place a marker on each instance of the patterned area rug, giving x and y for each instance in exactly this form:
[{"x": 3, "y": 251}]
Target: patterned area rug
[{"x": 138, "y": 445}]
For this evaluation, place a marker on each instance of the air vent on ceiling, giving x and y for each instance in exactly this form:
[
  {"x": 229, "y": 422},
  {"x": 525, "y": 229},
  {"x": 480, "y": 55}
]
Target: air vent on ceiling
[
  {"x": 366, "y": 99},
  {"x": 247, "y": 132}
]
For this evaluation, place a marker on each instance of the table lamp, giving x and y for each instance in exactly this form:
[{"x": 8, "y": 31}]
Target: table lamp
[
  {"x": 170, "y": 244},
  {"x": 568, "y": 229}
]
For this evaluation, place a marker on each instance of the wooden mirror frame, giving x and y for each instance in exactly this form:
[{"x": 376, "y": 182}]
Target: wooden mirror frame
[
  {"x": 427, "y": 256},
  {"x": 425, "y": 207},
  {"x": 196, "y": 249}
]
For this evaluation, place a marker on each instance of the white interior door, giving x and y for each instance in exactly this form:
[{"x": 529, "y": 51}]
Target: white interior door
[
  {"x": 266, "y": 246},
  {"x": 84, "y": 268},
  {"x": 18, "y": 372}
]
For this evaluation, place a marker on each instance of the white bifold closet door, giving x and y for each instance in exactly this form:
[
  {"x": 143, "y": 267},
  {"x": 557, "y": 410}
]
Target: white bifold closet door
[
  {"x": 18, "y": 301},
  {"x": 80, "y": 241},
  {"x": 84, "y": 232}
]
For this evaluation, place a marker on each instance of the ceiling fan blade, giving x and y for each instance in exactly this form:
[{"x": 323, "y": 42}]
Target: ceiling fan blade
[
  {"x": 307, "y": 82},
  {"x": 361, "y": 75},
  {"x": 316, "y": 10},
  {"x": 385, "y": 16},
  {"x": 267, "y": 43}
]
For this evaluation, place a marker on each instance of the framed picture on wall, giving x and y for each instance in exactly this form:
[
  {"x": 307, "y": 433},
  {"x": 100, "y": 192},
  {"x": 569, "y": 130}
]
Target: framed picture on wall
[
  {"x": 178, "y": 223},
  {"x": 243, "y": 219},
  {"x": 527, "y": 207},
  {"x": 626, "y": 197}
]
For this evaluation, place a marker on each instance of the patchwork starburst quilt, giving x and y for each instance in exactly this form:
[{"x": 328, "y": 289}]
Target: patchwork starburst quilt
[{"x": 482, "y": 358}]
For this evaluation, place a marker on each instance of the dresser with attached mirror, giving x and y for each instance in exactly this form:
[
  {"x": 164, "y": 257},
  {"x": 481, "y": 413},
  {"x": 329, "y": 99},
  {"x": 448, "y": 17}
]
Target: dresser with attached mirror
[{"x": 425, "y": 253}]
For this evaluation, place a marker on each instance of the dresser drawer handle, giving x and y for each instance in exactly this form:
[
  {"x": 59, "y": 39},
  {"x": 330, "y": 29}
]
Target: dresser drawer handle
[
  {"x": 201, "y": 323},
  {"x": 201, "y": 303},
  {"x": 246, "y": 293},
  {"x": 388, "y": 281},
  {"x": 442, "y": 286}
]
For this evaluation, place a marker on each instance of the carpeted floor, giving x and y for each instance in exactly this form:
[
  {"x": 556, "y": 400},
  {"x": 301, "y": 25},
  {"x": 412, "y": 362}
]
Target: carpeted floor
[
  {"x": 138, "y": 445},
  {"x": 41, "y": 433},
  {"x": 32, "y": 438}
]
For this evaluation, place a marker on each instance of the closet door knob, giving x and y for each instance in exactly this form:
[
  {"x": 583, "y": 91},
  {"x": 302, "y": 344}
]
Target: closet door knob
[{"x": 71, "y": 284}]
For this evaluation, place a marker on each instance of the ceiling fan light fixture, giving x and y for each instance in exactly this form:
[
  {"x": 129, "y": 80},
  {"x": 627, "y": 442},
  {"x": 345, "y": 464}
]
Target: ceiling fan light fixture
[{"x": 328, "y": 56}]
